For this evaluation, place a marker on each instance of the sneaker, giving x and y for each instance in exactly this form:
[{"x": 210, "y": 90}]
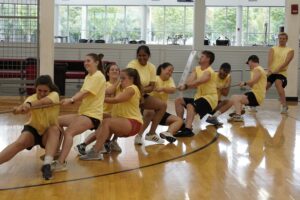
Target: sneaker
[
  {"x": 46, "y": 170},
  {"x": 56, "y": 166},
  {"x": 138, "y": 140},
  {"x": 182, "y": 127},
  {"x": 167, "y": 136},
  {"x": 115, "y": 146},
  {"x": 236, "y": 118},
  {"x": 92, "y": 155},
  {"x": 242, "y": 112},
  {"x": 56, "y": 156},
  {"x": 185, "y": 133},
  {"x": 214, "y": 121},
  {"x": 80, "y": 149},
  {"x": 284, "y": 109},
  {"x": 154, "y": 138}
]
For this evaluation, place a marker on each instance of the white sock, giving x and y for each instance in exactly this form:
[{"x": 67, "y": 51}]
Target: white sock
[
  {"x": 48, "y": 160},
  {"x": 217, "y": 114}
]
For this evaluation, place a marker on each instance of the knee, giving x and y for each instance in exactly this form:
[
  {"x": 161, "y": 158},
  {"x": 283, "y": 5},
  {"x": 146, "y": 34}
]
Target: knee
[
  {"x": 163, "y": 106},
  {"x": 148, "y": 114},
  {"x": 21, "y": 144}
]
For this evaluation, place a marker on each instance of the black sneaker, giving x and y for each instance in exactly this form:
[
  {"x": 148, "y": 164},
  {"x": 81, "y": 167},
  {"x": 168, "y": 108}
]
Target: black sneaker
[
  {"x": 233, "y": 113},
  {"x": 214, "y": 121},
  {"x": 107, "y": 146},
  {"x": 185, "y": 133},
  {"x": 80, "y": 148},
  {"x": 46, "y": 170},
  {"x": 182, "y": 127}
]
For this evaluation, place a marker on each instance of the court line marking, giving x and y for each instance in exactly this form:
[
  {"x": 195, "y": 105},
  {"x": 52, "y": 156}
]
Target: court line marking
[{"x": 215, "y": 137}]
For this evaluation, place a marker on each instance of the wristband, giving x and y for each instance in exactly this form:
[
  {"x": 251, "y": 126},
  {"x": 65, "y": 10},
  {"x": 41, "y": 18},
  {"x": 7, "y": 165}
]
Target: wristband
[
  {"x": 30, "y": 104},
  {"x": 185, "y": 86},
  {"x": 72, "y": 100},
  {"x": 245, "y": 83}
]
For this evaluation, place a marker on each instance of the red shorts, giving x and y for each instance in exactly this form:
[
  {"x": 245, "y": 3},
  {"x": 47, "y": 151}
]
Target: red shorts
[{"x": 136, "y": 127}]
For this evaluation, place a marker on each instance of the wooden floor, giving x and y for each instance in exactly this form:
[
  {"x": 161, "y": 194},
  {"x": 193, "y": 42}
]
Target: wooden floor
[{"x": 257, "y": 159}]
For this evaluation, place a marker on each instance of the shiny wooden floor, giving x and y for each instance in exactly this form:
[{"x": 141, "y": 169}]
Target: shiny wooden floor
[{"x": 257, "y": 159}]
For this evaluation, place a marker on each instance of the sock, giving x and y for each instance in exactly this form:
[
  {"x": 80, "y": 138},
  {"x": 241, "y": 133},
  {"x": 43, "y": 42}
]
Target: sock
[
  {"x": 48, "y": 159},
  {"x": 217, "y": 114}
]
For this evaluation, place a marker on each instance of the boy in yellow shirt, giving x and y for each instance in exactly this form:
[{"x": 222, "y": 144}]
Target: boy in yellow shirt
[{"x": 279, "y": 58}]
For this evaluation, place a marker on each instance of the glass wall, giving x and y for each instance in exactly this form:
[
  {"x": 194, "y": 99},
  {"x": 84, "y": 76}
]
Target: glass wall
[
  {"x": 124, "y": 24},
  {"x": 22, "y": 16},
  {"x": 260, "y": 24}
]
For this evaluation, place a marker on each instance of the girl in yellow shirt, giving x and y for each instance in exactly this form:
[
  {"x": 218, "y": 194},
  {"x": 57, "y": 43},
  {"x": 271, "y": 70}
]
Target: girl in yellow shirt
[
  {"x": 42, "y": 128},
  {"x": 126, "y": 118},
  {"x": 90, "y": 111},
  {"x": 164, "y": 86},
  {"x": 147, "y": 75},
  {"x": 112, "y": 75}
]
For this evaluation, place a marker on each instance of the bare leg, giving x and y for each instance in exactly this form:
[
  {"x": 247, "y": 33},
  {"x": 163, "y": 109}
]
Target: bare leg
[
  {"x": 190, "y": 116},
  {"x": 159, "y": 107},
  {"x": 78, "y": 125},
  {"x": 24, "y": 141},
  {"x": 118, "y": 126},
  {"x": 280, "y": 91},
  {"x": 179, "y": 107},
  {"x": 174, "y": 123},
  {"x": 147, "y": 118},
  {"x": 51, "y": 140}
]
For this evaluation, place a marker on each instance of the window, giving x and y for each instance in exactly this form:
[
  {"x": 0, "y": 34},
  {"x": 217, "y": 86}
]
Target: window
[
  {"x": 220, "y": 24},
  {"x": 96, "y": 22}
]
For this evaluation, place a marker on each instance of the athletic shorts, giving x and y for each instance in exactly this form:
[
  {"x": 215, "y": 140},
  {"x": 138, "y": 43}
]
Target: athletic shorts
[
  {"x": 37, "y": 137},
  {"x": 95, "y": 122},
  {"x": 136, "y": 127},
  {"x": 188, "y": 101},
  {"x": 163, "y": 120},
  {"x": 202, "y": 107},
  {"x": 252, "y": 99},
  {"x": 273, "y": 77}
]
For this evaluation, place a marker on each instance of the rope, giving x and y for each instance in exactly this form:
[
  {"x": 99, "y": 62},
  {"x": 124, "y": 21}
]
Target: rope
[{"x": 31, "y": 108}]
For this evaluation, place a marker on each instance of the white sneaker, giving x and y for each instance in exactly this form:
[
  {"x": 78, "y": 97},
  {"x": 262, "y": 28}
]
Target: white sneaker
[
  {"x": 92, "y": 155},
  {"x": 138, "y": 140},
  {"x": 56, "y": 166},
  {"x": 167, "y": 136},
  {"x": 284, "y": 109},
  {"x": 154, "y": 138},
  {"x": 115, "y": 146}
]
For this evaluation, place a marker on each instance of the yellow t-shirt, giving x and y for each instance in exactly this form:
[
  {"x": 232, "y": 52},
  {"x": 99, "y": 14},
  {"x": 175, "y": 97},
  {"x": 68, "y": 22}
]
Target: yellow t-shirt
[
  {"x": 221, "y": 83},
  {"x": 163, "y": 84},
  {"x": 129, "y": 109},
  {"x": 107, "y": 107},
  {"x": 279, "y": 57},
  {"x": 92, "y": 105},
  {"x": 147, "y": 72},
  {"x": 207, "y": 90},
  {"x": 43, "y": 118},
  {"x": 259, "y": 89}
]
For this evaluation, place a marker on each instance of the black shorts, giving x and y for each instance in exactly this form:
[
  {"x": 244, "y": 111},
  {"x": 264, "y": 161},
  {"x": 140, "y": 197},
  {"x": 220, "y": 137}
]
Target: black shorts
[
  {"x": 95, "y": 122},
  {"x": 37, "y": 137},
  {"x": 273, "y": 77},
  {"x": 163, "y": 120},
  {"x": 202, "y": 107},
  {"x": 252, "y": 99},
  {"x": 188, "y": 101}
]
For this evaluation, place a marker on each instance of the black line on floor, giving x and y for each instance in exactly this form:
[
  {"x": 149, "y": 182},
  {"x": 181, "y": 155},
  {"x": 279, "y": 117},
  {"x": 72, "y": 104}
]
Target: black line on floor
[{"x": 117, "y": 172}]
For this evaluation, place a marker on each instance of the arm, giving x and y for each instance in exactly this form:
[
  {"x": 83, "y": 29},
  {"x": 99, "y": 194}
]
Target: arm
[
  {"x": 255, "y": 78},
  {"x": 190, "y": 78},
  {"x": 149, "y": 88},
  {"x": 270, "y": 60},
  {"x": 168, "y": 90},
  {"x": 225, "y": 90},
  {"x": 121, "y": 97},
  {"x": 287, "y": 61},
  {"x": 203, "y": 79},
  {"x": 77, "y": 97},
  {"x": 111, "y": 90}
]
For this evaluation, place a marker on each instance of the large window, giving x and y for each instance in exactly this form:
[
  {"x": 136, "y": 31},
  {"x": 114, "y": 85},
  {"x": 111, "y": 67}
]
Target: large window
[
  {"x": 18, "y": 23},
  {"x": 170, "y": 25},
  {"x": 220, "y": 24},
  {"x": 122, "y": 24},
  {"x": 260, "y": 24}
]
